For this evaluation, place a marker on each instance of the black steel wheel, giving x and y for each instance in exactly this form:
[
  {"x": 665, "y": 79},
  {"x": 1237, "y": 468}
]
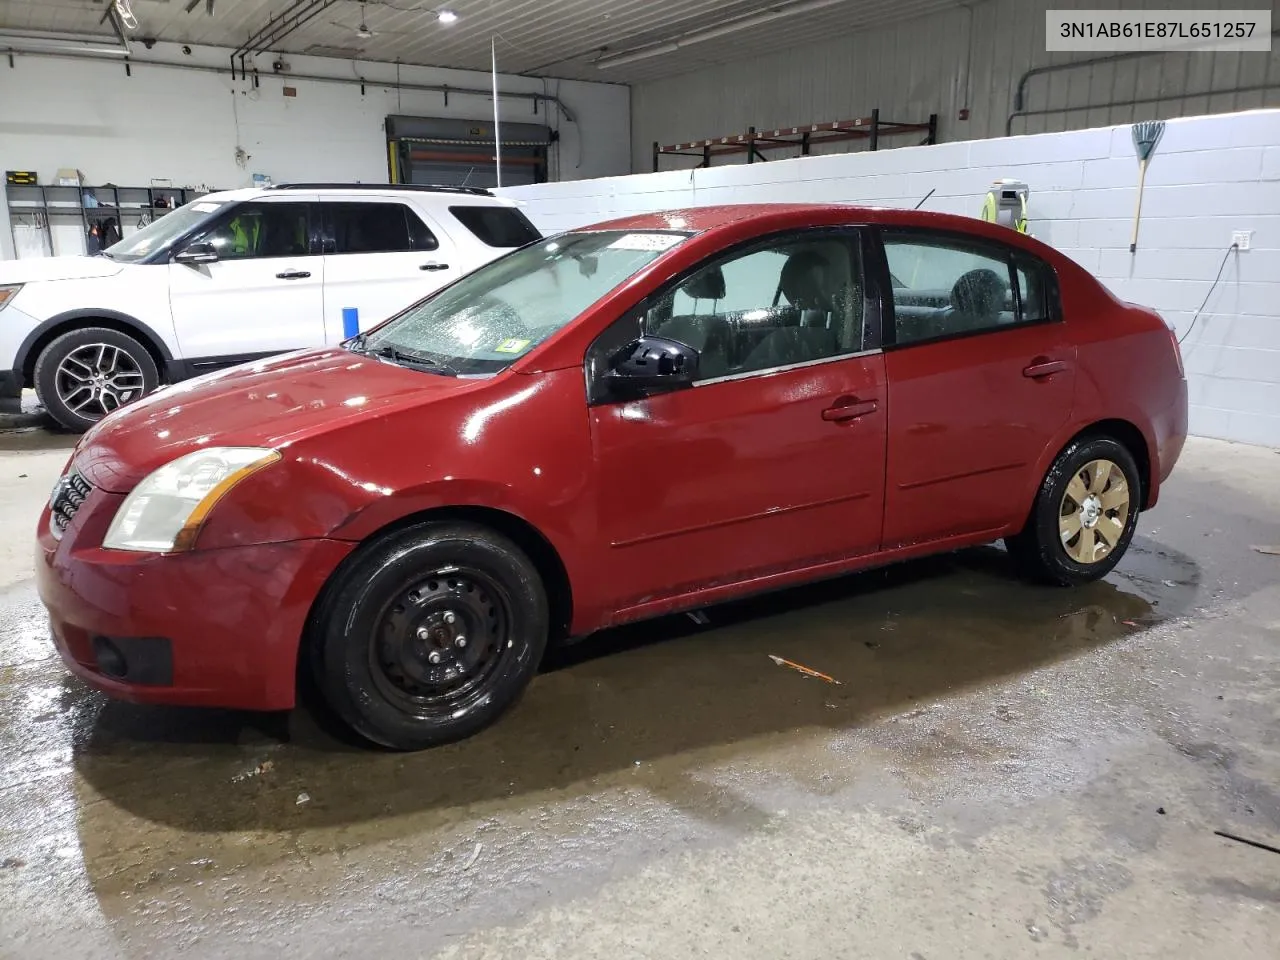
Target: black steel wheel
[{"x": 427, "y": 635}]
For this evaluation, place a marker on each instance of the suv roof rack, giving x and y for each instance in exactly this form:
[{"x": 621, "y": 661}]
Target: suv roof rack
[{"x": 422, "y": 188}]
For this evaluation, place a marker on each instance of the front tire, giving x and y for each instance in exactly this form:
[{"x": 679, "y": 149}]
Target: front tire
[
  {"x": 429, "y": 635},
  {"x": 85, "y": 374},
  {"x": 1084, "y": 515}
]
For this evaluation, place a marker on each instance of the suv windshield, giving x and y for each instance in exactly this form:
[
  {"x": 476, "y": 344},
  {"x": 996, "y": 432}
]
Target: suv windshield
[
  {"x": 491, "y": 317},
  {"x": 140, "y": 245}
]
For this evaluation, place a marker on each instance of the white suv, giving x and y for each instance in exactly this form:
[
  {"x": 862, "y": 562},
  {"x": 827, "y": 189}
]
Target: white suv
[{"x": 232, "y": 277}]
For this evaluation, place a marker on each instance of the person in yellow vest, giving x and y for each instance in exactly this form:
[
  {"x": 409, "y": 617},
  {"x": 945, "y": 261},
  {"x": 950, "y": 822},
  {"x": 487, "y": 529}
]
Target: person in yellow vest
[
  {"x": 252, "y": 236},
  {"x": 246, "y": 234}
]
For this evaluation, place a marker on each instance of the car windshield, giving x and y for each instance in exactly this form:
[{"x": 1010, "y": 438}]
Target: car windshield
[
  {"x": 143, "y": 243},
  {"x": 489, "y": 318}
]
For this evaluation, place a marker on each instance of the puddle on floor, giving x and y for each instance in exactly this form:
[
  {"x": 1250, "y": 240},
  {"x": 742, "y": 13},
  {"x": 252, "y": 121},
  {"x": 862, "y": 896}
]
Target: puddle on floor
[{"x": 166, "y": 796}]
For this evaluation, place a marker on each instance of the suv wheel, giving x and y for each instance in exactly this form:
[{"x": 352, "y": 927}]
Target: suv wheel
[{"x": 83, "y": 375}]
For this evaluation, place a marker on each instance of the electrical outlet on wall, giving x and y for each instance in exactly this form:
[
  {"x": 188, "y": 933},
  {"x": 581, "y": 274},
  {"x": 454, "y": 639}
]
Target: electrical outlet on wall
[{"x": 1242, "y": 239}]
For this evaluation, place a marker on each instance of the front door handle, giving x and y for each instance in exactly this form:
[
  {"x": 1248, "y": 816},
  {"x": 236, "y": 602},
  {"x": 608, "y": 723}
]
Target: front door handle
[
  {"x": 293, "y": 275},
  {"x": 1044, "y": 368},
  {"x": 434, "y": 266},
  {"x": 849, "y": 408}
]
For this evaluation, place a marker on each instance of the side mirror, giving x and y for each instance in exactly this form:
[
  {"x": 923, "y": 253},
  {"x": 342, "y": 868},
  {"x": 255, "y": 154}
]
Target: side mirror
[
  {"x": 197, "y": 253},
  {"x": 652, "y": 365}
]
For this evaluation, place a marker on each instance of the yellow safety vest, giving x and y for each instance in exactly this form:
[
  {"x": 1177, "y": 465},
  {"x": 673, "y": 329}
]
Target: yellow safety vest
[{"x": 245, "y": 243}]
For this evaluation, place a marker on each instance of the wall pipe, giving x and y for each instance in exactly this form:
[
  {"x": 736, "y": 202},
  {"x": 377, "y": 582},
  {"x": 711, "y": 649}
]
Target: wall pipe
[
  {"x": 1019, "y": 95},
  {"x": 314, "y": 78},
  {"x": 1252, "y": 88}
]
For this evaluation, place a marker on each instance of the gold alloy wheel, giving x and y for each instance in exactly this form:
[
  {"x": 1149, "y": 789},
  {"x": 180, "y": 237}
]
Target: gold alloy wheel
[{"x": 1094, "y": 511}]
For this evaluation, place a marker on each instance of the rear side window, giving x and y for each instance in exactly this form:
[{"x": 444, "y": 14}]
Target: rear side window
[
  {"x": 497, "y": 226},
  {"x": 386, "y": 227},
  {"x": 1034, "y": 290},
  {"x": 944, "y": 286}
]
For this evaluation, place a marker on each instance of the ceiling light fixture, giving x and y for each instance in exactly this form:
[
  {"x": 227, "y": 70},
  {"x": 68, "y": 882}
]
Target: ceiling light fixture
[
  {"x": 711, "y": 33},
  {"x": 124, "y": 11},
  {"x": 363, "y": 31},
  {"x": 446, "y": 17}
]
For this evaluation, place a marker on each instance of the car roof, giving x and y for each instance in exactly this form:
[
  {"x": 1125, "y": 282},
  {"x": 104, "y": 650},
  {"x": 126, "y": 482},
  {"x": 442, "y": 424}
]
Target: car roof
[
  {"x": 769, "y": 217},
  {"x": 703, "y": 219},
  {"x": 444, "y": 194}
]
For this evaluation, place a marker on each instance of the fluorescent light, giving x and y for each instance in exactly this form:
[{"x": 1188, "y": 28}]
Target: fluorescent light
[
  {"x": 710, "y": 33},
  {"x": 447, "y": 16},
  {"x": 643, "y": 53},
  {"x": 18, "y": 44}
]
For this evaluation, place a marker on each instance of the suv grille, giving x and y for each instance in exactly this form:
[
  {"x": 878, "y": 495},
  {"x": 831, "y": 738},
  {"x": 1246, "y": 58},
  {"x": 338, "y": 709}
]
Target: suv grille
[{"x": 68, "y": 497}]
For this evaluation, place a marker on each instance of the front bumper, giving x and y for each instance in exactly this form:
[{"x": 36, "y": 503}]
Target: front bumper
[{"x": 215, "y": 628}]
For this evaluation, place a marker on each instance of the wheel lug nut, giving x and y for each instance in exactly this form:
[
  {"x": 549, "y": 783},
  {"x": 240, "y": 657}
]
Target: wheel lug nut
[
  {"x": 424, "y": 633},
  {"x": 434, "y": 656},
  {"x": 460, "y": 642},
  {"x": 449, "y": 616}
]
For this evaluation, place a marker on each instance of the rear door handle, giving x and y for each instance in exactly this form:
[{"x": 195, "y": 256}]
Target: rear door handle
[
  {"x": 1044, "y": 368},
  {"x": 847, "y": 408},
  {"x": 293, "y": 275},
  {"x": 434, "y": 266}
]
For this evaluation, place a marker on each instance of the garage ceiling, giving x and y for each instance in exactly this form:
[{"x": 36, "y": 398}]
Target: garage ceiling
[{"x": 556, "y": 38}]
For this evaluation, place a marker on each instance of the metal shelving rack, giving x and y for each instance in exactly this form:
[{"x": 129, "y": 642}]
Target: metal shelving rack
[
  {"x": 754, "y": 142},
  {"x": 49, "y": 204}
]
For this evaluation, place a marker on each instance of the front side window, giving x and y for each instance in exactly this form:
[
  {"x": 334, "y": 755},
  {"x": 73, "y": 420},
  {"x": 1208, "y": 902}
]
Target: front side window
[
  {"x": 944, "y": 286},
  {"x": 497, "y": 313},
  {"x": 383, "y": 227},
  {"x": 163, "y": 231},
  {"x": 792, "y": 300},
  {"x": 258, "y": 230}
]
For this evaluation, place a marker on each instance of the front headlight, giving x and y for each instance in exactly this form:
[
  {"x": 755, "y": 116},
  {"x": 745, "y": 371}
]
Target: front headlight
[
  {"x": 165, "y": 511},
  {"x": 7, "y": 292}
]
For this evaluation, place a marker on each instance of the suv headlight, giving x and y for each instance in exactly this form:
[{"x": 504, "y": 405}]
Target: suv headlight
[
  {"x": 165, "y": 511},
  {"x": 7, "y": 292}
]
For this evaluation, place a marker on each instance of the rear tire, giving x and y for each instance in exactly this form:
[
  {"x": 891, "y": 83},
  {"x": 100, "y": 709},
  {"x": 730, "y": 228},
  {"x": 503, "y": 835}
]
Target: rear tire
[
  {"x": 429, "y": 635},
  {"x": 85, "y": 374},
  {"x": 1084, "y": 515}
]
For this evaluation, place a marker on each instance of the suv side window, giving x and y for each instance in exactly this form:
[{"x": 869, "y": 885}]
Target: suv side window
[
  {"x": 256, "y": 230},
  {"x": 946, "y": 286},
  {"x": 786, "y": 301},
  {"x": 497, "y": 226},
  {"x": 378, "y": 227}
]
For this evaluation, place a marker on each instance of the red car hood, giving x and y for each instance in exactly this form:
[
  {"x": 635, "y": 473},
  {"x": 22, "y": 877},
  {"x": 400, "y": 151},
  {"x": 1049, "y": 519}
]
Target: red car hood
[{"x": 269, "y": 403}]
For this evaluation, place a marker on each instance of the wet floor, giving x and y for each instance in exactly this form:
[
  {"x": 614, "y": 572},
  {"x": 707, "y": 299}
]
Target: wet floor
[{"x": 969, "y": 707}]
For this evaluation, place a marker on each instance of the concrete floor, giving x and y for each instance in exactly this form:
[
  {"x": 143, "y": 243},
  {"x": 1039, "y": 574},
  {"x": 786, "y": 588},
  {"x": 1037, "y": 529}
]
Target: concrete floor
[{"x": 1004, "y": 771}]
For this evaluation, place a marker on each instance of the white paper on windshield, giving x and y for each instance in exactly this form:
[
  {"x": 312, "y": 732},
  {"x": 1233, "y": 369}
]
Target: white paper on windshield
[
  {"x": 205, "y": 207},
  {"x": 646, "y": 241}
]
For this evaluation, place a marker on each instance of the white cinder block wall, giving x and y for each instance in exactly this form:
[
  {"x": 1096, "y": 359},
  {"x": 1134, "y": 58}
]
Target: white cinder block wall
[{"x": 1209, "y": 177}]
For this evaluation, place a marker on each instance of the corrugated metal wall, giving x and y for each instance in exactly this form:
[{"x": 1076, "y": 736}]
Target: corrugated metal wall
[{"x": 973, "y": 56}]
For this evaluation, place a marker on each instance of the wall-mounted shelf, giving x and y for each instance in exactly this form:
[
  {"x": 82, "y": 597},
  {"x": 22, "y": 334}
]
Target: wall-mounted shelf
[
  {"x": 50, "y": 205},
  {"x": 754, "y": 142}
]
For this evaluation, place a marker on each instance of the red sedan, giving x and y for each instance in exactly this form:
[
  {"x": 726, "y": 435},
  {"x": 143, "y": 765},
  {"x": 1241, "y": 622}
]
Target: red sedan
[{"x": 648, "y": 415}]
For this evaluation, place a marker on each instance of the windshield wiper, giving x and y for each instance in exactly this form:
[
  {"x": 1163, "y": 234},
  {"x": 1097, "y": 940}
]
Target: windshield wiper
[
  {"x": 106, "y": 253},
  {"x": 412, "y": 360}
]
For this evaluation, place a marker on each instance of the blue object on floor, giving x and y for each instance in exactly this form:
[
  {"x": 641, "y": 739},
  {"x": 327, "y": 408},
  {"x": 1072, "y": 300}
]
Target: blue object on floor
[{"x": 350, "y": 322}]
